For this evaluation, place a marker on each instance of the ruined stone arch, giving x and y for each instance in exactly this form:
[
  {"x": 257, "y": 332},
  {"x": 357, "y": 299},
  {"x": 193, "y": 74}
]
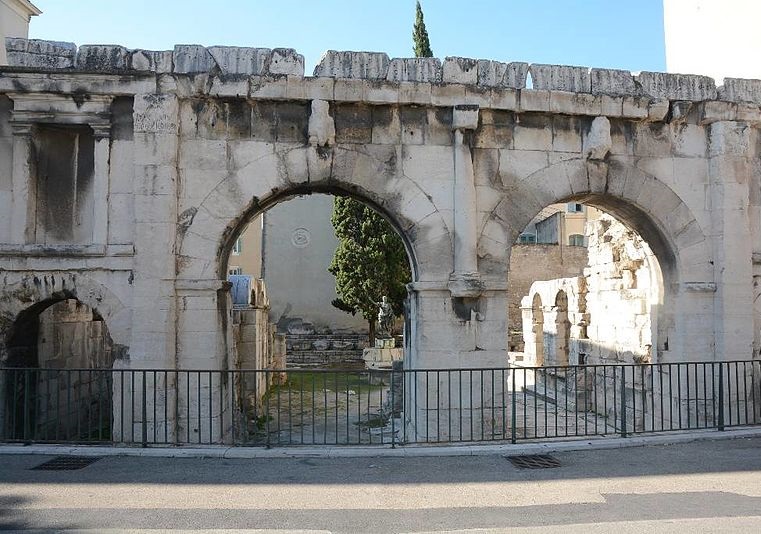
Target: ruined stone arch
[
  {"x": 32, "y": 294},
  {"x": 636, "y": 198},
  {"x": 26, "y": 297},
  {"x": 207, "y": 231},
  {"x": 640, "y": 201}
]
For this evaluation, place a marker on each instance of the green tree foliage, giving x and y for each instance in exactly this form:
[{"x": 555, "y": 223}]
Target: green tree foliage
[
  {"x": 370, "y": 261},
  {"x": 422, "y": 46}
]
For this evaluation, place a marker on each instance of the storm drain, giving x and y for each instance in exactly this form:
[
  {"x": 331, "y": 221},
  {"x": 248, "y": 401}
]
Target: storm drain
[
  {"x": 534, "y": 461},
  {"x": 66, "y": 463}
]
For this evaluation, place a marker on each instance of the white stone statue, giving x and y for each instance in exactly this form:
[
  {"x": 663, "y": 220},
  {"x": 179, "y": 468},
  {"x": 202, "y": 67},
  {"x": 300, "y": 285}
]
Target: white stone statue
[{"x": 385, "y": 317}]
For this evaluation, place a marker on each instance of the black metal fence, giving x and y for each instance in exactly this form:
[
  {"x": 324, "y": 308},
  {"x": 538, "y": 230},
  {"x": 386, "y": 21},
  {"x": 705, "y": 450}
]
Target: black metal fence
[{"x": 373, "y": 407}]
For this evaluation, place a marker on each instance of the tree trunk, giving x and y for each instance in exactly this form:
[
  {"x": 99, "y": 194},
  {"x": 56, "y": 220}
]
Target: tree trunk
[{"x": 372, "y": 332}]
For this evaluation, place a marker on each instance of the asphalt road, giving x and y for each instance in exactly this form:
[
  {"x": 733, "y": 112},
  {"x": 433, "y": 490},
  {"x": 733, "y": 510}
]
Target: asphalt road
[{"x": 700, "y": 487}]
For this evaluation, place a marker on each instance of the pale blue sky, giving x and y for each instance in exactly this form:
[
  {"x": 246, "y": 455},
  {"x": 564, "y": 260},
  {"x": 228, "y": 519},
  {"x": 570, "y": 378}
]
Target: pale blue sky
[{"x": 624, "y": 34}]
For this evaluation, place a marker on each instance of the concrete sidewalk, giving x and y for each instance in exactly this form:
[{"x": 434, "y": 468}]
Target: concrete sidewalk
[
  {"x": 703, "y": 486},
  {"x": 412, "y": 451}
]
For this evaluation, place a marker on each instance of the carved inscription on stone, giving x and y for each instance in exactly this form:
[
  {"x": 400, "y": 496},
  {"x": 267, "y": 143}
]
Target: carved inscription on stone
[{"x": 155, "y": 114}]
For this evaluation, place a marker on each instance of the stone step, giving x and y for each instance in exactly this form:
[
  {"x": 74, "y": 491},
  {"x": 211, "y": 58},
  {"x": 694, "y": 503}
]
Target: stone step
[{"x": 323, "y": 357}]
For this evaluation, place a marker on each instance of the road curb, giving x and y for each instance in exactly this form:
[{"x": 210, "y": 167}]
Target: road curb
[{"x": 359, "y": 452}]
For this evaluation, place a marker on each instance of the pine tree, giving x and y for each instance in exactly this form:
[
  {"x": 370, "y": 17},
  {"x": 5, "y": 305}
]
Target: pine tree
[
  {"x": 370, "y": 261},
  {"x": 422, "y": 46}
]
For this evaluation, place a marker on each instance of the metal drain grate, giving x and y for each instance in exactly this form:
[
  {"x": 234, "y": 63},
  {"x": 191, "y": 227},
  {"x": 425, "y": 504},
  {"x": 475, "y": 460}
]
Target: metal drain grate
[
  {"x": 534, "y": 461},
  {"x": 66, "y": 463}
]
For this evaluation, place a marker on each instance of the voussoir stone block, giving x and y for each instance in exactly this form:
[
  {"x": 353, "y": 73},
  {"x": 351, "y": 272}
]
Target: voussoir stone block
[
  {"x": 40, "y": 54},
  {"x": 107, "y": 58},
  {"x": 192, "y": 59},
  {"x": 740, "y": 90},
  {"x": 416, "y": 69},
  {"x": 460, "y": 70},
  {"x": 560, "y": 78},
  {"x": 612, "y": 82},
  {"x": 677, "y": 86},
  {"x": 366, "y": 65},
  {"x": 497, "y": 74}
]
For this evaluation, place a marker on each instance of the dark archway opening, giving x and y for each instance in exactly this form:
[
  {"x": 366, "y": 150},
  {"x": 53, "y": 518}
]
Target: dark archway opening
[{"x": 57, "y": 383}]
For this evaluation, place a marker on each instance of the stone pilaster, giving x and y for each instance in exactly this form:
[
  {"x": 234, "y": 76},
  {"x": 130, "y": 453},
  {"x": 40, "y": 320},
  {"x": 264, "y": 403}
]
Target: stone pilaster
[
  {"x": 22, "y": 221},
  {"x": 156, "y": 139},
  {"x": 465, "y": 280},
  {"x": 101, "y": 183},
  {"x": 730, "y": 176}
]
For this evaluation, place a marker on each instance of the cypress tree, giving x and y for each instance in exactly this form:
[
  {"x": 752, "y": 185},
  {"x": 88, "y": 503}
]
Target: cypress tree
[
  {"x": 422, "y": 46},
  {"x": 369, "y": 262}
]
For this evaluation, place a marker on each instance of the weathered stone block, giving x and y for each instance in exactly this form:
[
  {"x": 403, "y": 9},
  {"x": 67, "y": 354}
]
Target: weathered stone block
[
  {"x": 531, "y": 100},
  {"x": 658, "y": 109},
  {"x": 496, "y": 74},
  {"x": 105, "y": 58},
  {"x": 677, "y": 86},
  {"x": 286, "y": 61},
  {"x": 612, "y": 82},
  {"x": 39, "y": 54},
  {"x": 240, "y": 60},
  {"x": 635, "y": 107},
  {"x": 419, "y": 69},
  {"x": 151, "y": 61},
  {"x": 560, "y": 78},
  {"x": 192, "y": 59},
  {"x": 369, "y": 65},
  {"x": 460, "y": 70},
  {"x": 740, "y": 90},
  {"x": 465, "y": 117}
]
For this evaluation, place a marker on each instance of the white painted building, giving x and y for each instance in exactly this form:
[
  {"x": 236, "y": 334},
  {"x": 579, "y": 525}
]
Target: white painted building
[
  {"x": 14, "y": 21},
  {"x": 717, "y": 38}
]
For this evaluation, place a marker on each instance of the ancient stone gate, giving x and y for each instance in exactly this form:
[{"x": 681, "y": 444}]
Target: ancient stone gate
[{"x": 126, "y": 175}]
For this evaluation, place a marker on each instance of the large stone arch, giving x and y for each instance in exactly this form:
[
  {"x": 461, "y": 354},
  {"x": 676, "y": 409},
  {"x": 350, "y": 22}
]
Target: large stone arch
[
  {"x": 638, "y": 199},
  {"x": 27, "y": 293},
  {"x": 648, "y": 206},
  {"x": 208, "y": 230},
  {"x": 265, "y": 174}
]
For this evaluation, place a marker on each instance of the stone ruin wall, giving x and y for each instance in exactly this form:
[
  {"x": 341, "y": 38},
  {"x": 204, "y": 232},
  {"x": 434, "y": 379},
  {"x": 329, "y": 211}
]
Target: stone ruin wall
[
  {"x": 530, "y": 263},
  {"x": 257, "y": 345},
  {"x": 666, "y": 150},
  {"x": 610, "y": 309},
  {"x": 622, "y": 294}
]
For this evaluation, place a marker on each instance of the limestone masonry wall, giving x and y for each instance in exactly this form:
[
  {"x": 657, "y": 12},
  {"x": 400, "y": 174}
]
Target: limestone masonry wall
[
  {"x": 175, "y": 151},
  {"x": 530, "y": 263}
]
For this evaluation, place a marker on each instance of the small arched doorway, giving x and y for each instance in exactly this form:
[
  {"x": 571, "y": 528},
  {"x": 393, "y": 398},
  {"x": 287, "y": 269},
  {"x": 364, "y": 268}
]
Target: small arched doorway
[{"x": 57, "y": 385}]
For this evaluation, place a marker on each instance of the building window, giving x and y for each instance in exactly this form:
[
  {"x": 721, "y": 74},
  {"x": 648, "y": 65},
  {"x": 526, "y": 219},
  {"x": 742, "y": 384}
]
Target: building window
[
  {"x": 237, "y": 247},
  {"x": 574, "y": 207},
  {"x": 234, "y": 270},
  {"x": 576, "y": 240},
  {"x": 527, "y": 239}
]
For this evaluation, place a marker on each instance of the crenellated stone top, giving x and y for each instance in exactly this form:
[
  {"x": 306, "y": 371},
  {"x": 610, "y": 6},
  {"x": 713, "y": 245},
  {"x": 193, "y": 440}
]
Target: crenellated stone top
[{"x": 374, "y": 66}]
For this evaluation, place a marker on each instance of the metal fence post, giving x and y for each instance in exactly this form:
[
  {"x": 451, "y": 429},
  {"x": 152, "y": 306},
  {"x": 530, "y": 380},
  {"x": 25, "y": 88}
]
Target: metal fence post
[
  {"x": 721, "y": 396},
  {"x": 623, "y": 402},
  {"x": 27, "y": 415},
  {"x": 393, "y": 406},
  {"x": 513, "y": 412},
  {"x": 145, "y": 414}
]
